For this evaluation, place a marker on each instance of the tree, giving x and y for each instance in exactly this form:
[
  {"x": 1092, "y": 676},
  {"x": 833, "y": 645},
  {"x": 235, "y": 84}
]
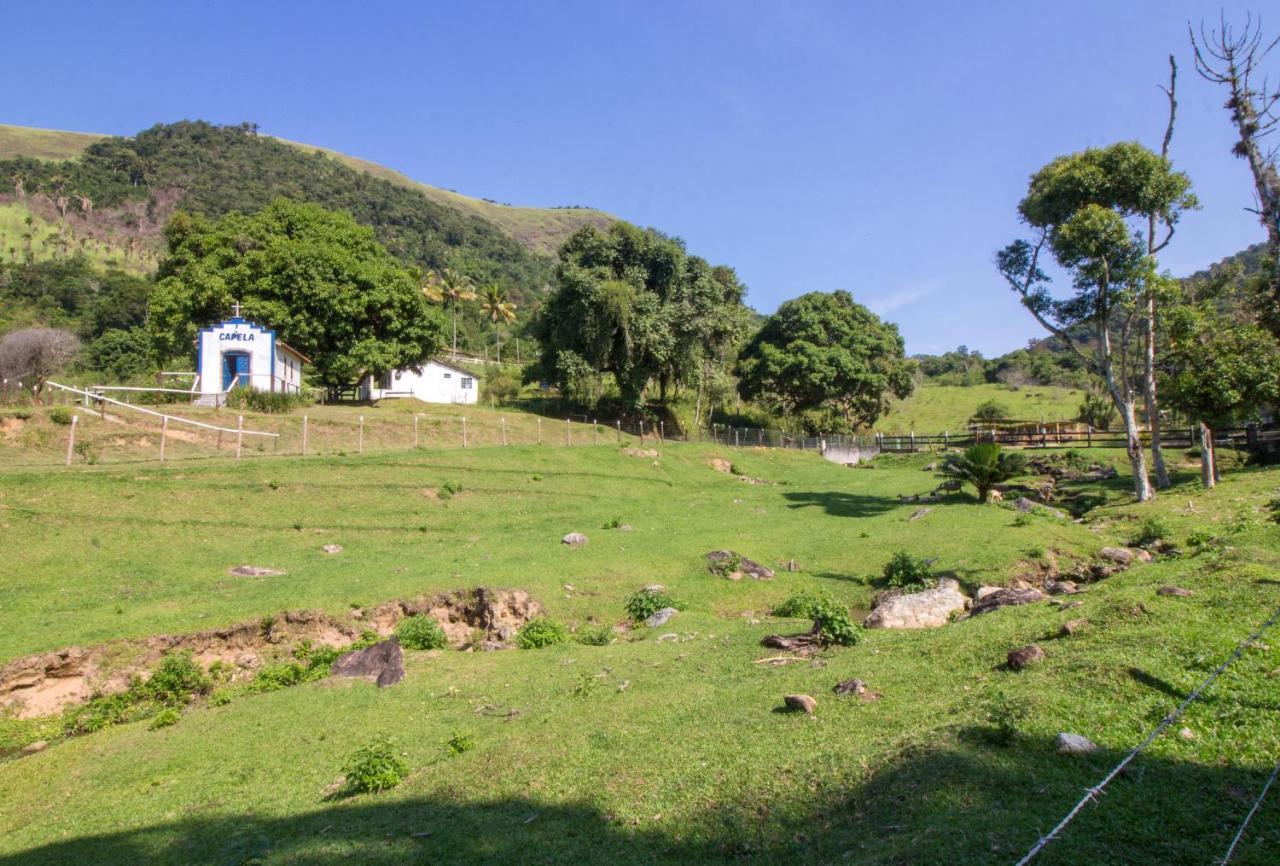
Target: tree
[
  {"x": 823, "y": 351},
  {"x": 1096, "y": 410},
  {"x": 633, "y": 304},
  {"x": 1089, "y": 210},
  {"x": 1220, "y": 370},
  {"x": 32, "y": 355},
  {"x": 1232, "y": 59},
  {"x": 317, "y": 277},
  {"x": 983, "y": 465},
  {"x": 497, "y": 308},
  {"x": 454, "y": 289},
  {"x": 991, "y": 410}
]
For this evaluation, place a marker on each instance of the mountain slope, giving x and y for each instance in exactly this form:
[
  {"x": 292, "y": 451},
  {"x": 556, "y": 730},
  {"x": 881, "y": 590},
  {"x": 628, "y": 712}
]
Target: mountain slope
[{"x": 540, "y": 230}]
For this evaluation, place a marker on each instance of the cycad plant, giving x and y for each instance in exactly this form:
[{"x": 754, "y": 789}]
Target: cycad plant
[{"x": 983, "y": 465}]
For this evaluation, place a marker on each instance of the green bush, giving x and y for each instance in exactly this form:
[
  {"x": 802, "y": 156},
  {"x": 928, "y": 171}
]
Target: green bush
[
  {"x": 611, "y": 523},
  {"x": 61, "y": 415},
  {"x": 1004, "y": 715},
  {"x": 177, "y": 679},
  {"x": 646, "y": 602},
  {"x": 164, "y": 719},
  {"x": 374, "y": 767},
  {"x": 421, "y": 633},
  {"x": 1201, "y": 538},
  {"x": 1023, "y": 519},
  {"x": 835, "y": 626},
  {"x": 449, "y": 489},
  {"x": 541, "y": 632},
  {"x": 800, "y": 605},
  {"x": 459, "y": 743},
  {"x": 990, "y": 411},
  {"x": 594, "y": 635},
  {"x": 279, "y": 676},
  {"x": 904, "y": 571},
  {"x": 265, "y": 401},
  {"x": 1151, "y": 530}
]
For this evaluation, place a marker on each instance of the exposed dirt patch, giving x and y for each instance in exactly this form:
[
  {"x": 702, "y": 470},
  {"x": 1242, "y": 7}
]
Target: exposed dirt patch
[{"x": 45, "y": 683}]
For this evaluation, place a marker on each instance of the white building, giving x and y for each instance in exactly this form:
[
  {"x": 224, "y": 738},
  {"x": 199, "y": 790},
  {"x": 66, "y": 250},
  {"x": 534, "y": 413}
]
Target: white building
[
  {"x": 436, "y": 382},
  {"x": 239, "y": 353}
]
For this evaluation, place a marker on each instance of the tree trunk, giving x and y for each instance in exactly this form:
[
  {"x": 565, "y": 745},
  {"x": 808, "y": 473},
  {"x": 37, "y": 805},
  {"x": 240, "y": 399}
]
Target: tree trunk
[
  {"x": 1149, "y": 398},
  {"x": 455, "y": 334},
  {"x": 1208, "y": 465},
  {"x": 1133, "y": 445}
]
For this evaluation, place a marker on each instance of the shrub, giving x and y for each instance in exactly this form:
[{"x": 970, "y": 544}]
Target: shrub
[
  {"x": 1201, "y": 538},
  {"x": 1151, "y": 530},
  {"x": 279, "y": 676},
  {"x": 990, "y": 411},
  {"x": 983, "y": 465},
  {"x": 449, "y": 489},
  {"x": 904, "y": 571},
  {"x": 421, "y": 633},
  {"x": 799, "y": 605},
  {"x": 375, "y": 767},
  {"x": 541, "y": 632},
  {"x": 835, "y": 626},
  {"x": 265, "y": 401},
  {"x": 611, "y": 523},
  {"x": 61, "y": 415},
  {"x": 164, "y": 719},
  {"x": 459, "y": 743},
  {"x": 176, "y": 680},
  {"x": 645, "y": 603},
  {"x": 1003, "y": 714},
  {"x": 594, "y": 635}
]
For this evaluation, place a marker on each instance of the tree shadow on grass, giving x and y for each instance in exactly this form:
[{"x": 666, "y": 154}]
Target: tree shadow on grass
[
  {"x": 841, "y": 504},
  {"x": 959, "y": 801}
]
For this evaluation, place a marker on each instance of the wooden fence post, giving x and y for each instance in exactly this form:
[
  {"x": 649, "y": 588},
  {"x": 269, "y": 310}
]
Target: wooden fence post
[
  {"x": 568, "y": 433},
  {"x": 735, "y": 437},
  {"x": 641, "y": 431},
  {"x": 464, "y": 431},
  {"x": 164, "y": 434},
  {"x": 239, "y": 434},
  {"x": 1088, "y": 435},
  {"x": 619, "y": 423},
  {"x": 539, "y": 431},
  {"x": 662, "y": 430},
  {"x": 913, "y": 441},
  {"x": 503, "y": 422},
  {"x": 71, "y": 438},
  {"x": 415, "y": 431},
  {"x": 304, "y": 435},
  {"x": 946, "y": 441},
  {"x": 360, "y": 437},
  {"x": 595, "y": 432}
]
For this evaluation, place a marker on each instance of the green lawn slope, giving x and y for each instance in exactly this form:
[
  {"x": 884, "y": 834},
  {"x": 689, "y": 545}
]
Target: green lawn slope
[
  {"x": 934, "y": 408},
  {"x": 666, "y": 746}
]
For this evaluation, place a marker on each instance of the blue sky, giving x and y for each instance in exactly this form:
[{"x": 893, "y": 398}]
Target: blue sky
[{"x": 874, "y": 147}]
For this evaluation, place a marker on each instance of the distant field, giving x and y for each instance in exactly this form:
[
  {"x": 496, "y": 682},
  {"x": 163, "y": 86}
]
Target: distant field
[
  {"x": 53, "y": 144},
  {"x": 934, "y": 408}
]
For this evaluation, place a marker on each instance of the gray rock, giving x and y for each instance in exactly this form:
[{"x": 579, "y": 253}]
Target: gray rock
[
  {"x": 1177, "y": 591},
  {"x": 1025, "y": 505},
  {"x": 661, "y": 617},
  {"x": 801, "y": 703},
  {"x": 928, "y": 609},
  {"x": 1007, "y": 597},
  {"x": 383, "y": 663},
  {"x": 851, "y": 687},
  {"x": 920, "y": 513},
  {"x": 37, "y": 746},
  {"x": 332, "y": 548},
  {"x": 1118, "y": 555},
  {"x": 1062, "y": 587},
  {"x": 1074, "y": 744},
  {"x": 574, "y": 539},
  {"x": 255, "y": 571},
  {"x": 1073, "y": 626},
  {"x": 984, "y": 591},
  {"x": 1024, "y": 657},
  {"x": 723, "y": 562}
]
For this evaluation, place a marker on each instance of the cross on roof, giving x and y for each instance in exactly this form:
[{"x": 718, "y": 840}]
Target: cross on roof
[{"x": 235, "y": 309}]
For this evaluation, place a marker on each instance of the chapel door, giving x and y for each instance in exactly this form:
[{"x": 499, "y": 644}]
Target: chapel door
[{"x": 235, "y": 368}]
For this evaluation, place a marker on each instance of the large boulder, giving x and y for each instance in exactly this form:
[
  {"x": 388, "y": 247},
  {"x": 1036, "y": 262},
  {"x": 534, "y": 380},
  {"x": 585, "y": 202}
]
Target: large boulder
[
  {"x": 383, "y": 663},
  {"x": 735, "y": 566},
  {"x": 928, "y": 609}
]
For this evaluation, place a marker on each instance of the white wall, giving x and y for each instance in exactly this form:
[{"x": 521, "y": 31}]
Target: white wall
[
  {"x": 435, "y": 384},
  {"x": 271, "y": 367}
]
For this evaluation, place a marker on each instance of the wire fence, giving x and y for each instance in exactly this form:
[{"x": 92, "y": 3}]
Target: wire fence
[{"x": 1092, "y": 794}]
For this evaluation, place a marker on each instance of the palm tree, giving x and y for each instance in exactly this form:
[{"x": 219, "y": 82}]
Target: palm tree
[
  {"x": 454, "y": 288},
  {"x": 498, "y": 309},
  {"x": 983, "y": 465}
]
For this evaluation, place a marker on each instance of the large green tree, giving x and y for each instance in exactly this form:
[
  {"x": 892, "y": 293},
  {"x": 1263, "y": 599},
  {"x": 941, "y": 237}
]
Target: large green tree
[
  {"x": 825, "y": 352},
  {"x": 632, "y": 303},
  {"x": 1094, "y": 211},
  {"x": 317, "y": 277}
]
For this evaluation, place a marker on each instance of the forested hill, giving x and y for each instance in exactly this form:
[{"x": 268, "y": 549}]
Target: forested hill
[{"x": 117, "y": 193}]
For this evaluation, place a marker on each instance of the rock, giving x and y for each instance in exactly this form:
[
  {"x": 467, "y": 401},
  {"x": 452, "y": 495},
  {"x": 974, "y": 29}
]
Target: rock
[
  {"x": 801, "y": 703},
  {"x": 574, "y": 539},
  {"x": 255, "y": 571},
  {"x": 984, "y": 591},
  {"x": 383, "y": 663},
  {"x": 1007, "y": 597},
  {"x": 654, "y": 587},
  {"x": 644, "y": 453},
  {"x": 1175, "y": 591},
  {"x": 668, "y": 637},
  {"x": 850, "y": 687},
  {"x": 661, "y": 617},
  {"x": 719, "y": 464},
  {"x": 1118, "y": 555},
  {"x": 37, "y": 746},
  {"x": 928, "y": 609},
  {"x": 734, "y": 566},
  {"x": 1072, "y": 626},
  {"x": 920, "y": 513},
  {"x": 1024, "y": 657},
  {"x": 1074, "y": 744},
  {"x": 1140, "y": 554},
  {"x": 1025, "y": 505},
  {"x": 332, "y": 548},
  {"x": 1062, "y": 587},
  {"x": 930, "y": 467}
]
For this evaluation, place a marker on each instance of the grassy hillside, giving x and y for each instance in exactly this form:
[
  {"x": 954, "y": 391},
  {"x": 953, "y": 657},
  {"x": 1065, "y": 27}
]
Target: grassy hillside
[
  {"x": 653, "y": 748},
  {"x": 49, "y": 240},
  {"x": 934, "y": 408},
  {"x": 541, "y": 230}
]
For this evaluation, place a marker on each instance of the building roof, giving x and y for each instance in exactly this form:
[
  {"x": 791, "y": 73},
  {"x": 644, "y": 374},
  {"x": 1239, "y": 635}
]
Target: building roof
[
  {"x": 283, "y": 345},
  {"x": 463, "y": 370}
]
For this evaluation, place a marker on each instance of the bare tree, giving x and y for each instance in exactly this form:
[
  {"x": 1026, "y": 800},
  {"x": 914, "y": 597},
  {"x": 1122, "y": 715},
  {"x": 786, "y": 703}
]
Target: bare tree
[
  {"x": 1233, "y": 60},
  {"x": 32, "y": 355}
]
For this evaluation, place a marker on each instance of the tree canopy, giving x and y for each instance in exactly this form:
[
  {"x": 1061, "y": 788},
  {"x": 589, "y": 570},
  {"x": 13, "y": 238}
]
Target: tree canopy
[
  {"x": 633, "y": 303},
  {"x": 824, "y": 351},
  {"x": 317, "y": 277}
]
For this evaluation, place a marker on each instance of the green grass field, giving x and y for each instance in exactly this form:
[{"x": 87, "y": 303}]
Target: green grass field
[
  {"x": 53, "y": 144},
  {"x": 645, "y": 750},
  {"x": 935, "y": 408}
]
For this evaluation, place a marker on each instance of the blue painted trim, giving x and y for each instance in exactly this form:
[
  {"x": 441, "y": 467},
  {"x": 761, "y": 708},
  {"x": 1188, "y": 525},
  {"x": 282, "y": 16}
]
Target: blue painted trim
[{"x": 234, "y": 320}]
